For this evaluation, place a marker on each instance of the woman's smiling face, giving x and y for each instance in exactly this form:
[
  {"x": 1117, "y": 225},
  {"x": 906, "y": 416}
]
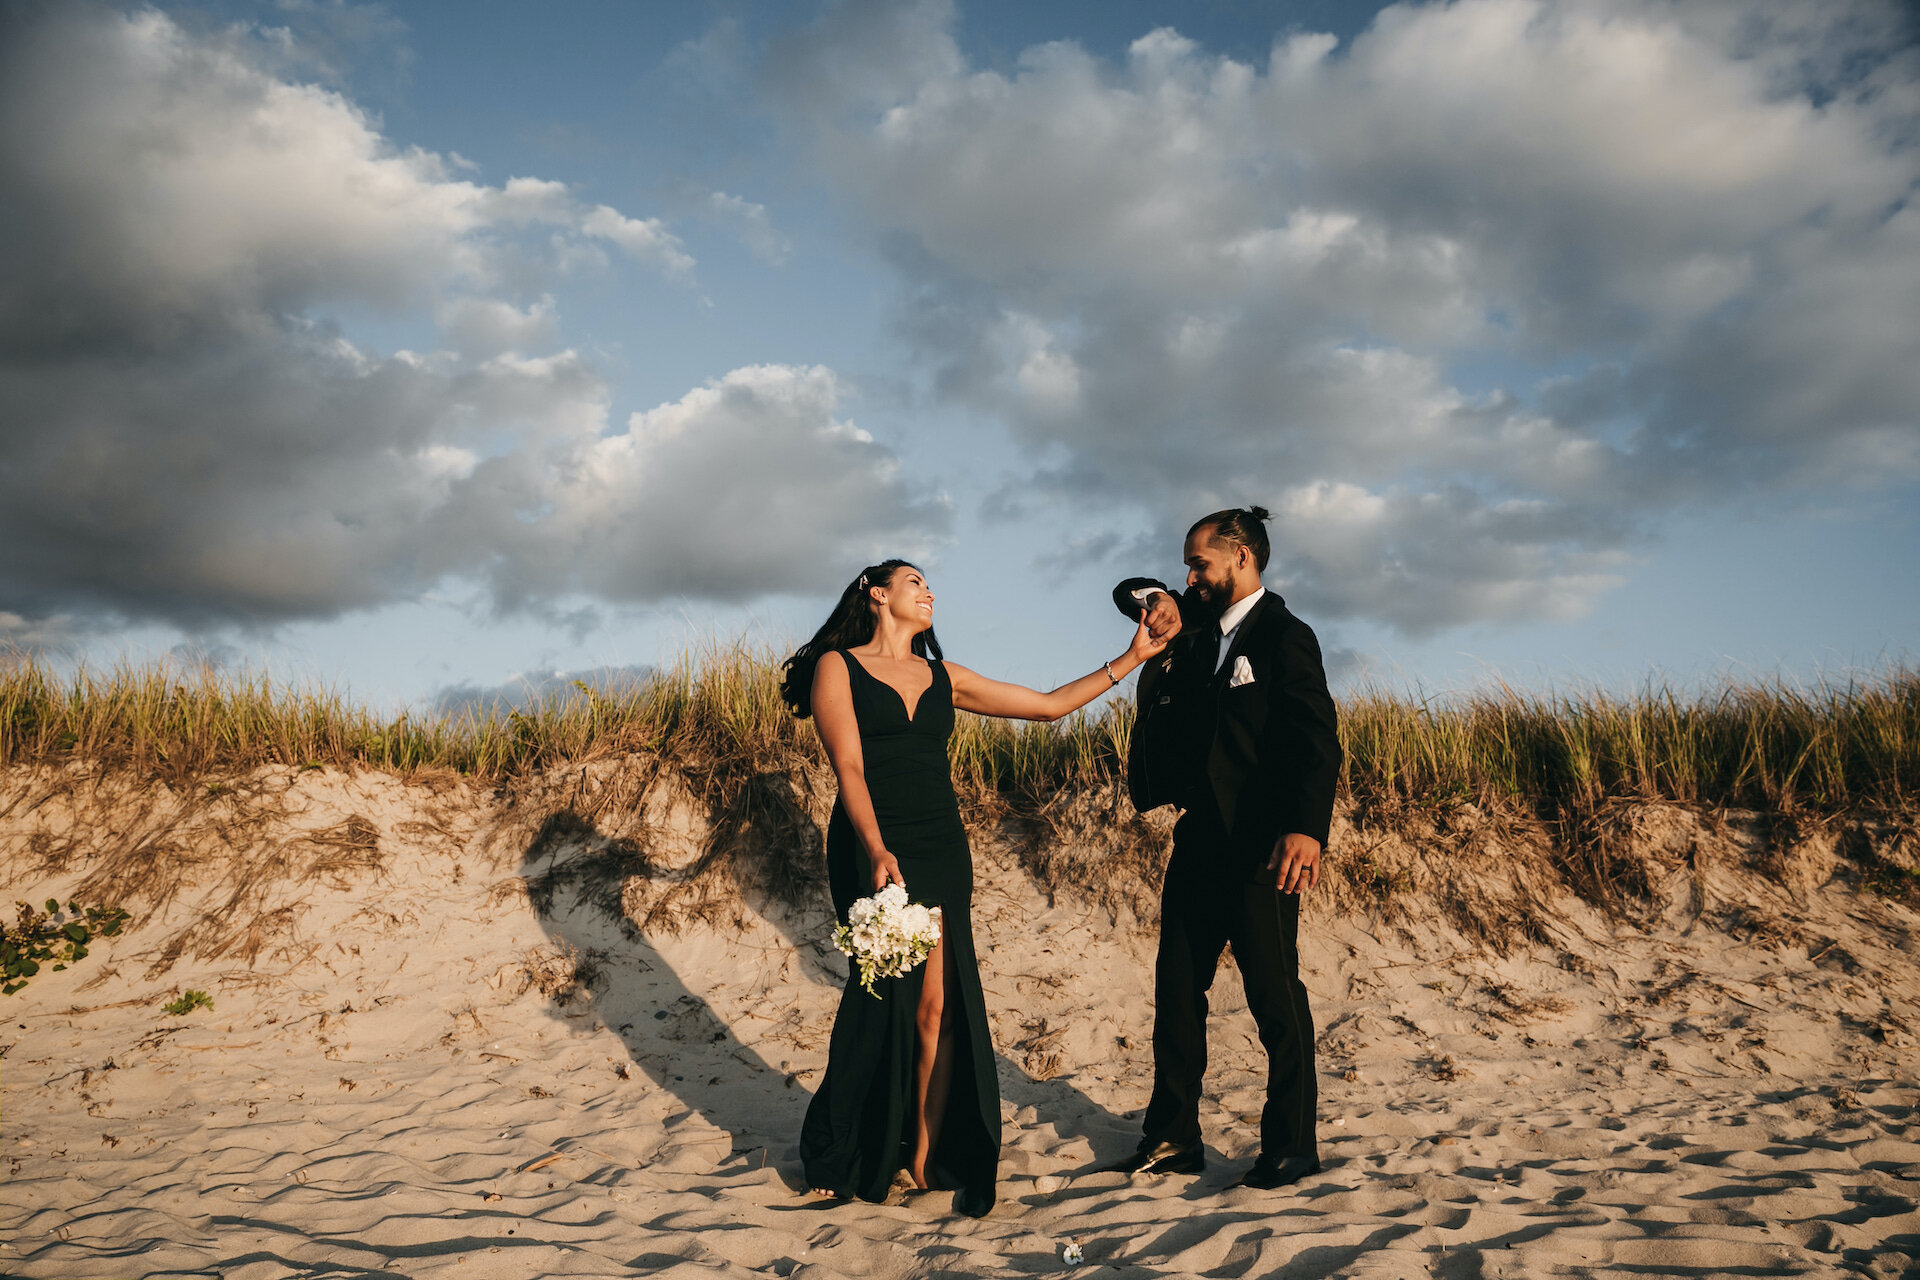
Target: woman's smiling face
[{"x": 908, "y": 598}]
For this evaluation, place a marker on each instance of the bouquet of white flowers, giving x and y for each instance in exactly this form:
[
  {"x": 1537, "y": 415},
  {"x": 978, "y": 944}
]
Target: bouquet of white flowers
[{"x": 886, "y": 935}]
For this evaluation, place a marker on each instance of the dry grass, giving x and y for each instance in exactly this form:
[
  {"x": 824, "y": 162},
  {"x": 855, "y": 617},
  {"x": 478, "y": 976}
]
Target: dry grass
[
  {"x": 1568, "y": 768},
  {"x": 1583, "y": 763},
  {"x": 1767, "y": 744},
  {"x": 205, "y": 723}
]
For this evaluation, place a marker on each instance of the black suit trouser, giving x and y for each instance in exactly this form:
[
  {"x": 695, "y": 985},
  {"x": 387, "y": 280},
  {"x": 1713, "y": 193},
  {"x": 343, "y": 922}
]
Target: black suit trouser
[{"x": 1207, "y": 903}]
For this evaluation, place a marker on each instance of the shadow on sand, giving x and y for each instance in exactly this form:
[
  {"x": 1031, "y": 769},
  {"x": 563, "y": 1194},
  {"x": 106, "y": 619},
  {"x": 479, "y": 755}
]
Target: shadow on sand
[{"x": 765, "y": 855}]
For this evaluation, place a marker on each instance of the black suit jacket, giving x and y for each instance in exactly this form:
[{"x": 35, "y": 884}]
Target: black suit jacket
[{"x": 1268, "y": 750}]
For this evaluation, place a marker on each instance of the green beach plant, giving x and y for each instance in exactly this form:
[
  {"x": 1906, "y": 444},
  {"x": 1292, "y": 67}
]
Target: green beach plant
[{"x": 54, "y": 937}]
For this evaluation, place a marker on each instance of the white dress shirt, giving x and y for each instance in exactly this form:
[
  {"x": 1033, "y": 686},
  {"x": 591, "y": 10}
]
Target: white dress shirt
[{"x": 1229, "y": 621}]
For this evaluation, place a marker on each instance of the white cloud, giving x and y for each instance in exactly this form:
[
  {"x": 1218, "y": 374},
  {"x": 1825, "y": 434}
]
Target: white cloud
[
  {"x": 1449, "y": 557},
  {"x": 744, "y": 487},
  {"x": 487, "y": 326},
  {"x": 645, "y": 239},
  {"x": 1676, "y": 237},
  {"x": 190, "y": 433},
  {"x": 752, "y": 224}
]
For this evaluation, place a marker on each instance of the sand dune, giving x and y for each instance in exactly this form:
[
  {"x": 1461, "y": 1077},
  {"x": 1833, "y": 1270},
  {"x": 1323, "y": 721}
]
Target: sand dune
[{"x": 424, "y": 1058}]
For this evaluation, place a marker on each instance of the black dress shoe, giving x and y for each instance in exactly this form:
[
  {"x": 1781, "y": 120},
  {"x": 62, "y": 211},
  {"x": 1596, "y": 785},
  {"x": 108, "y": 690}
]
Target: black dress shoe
[
  {"x": 1160, "y": 1157},
  {"x": 1272, "y": 1172}
]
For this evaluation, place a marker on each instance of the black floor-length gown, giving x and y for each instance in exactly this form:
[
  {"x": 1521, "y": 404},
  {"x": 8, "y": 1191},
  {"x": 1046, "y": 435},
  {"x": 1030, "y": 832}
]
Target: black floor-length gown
[{"x": 859, "y": 1128}]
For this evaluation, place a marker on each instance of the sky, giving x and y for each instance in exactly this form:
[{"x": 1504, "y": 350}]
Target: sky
[{"x": 414, "y": 349}]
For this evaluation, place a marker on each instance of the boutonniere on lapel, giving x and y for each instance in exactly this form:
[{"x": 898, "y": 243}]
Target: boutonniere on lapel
[{"x": 1242, "y": 672}]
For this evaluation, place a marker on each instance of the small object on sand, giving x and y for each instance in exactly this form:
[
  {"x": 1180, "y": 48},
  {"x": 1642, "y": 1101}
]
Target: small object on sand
[
  {"x": 489, "y": 1196},
  {"x": 1071, "y": 1255},
  {"x": 544, "y": 1161},
  {"x": 1048, "y": 1183}
]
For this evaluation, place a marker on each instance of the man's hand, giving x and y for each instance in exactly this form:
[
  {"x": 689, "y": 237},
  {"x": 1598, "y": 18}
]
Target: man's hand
[
  {"x": 1162, "y": 617},
  {"x": 1296, "y": 862}
]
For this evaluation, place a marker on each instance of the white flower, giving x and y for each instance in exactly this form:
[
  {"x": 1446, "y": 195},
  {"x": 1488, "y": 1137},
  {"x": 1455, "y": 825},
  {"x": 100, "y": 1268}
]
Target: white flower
[
  {"x": 1071, "y": 1254},
  {"x": 887, "y": 934}
]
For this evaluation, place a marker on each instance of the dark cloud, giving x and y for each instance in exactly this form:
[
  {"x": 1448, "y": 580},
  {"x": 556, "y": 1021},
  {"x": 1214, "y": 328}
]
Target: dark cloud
[
  {"x": 1675, "y": 238},
  {"x": 190, "y": 434}
]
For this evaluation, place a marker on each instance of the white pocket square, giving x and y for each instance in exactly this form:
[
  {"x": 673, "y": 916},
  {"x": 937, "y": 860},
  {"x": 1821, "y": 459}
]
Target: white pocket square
[{"x": 1242, "y": 672}]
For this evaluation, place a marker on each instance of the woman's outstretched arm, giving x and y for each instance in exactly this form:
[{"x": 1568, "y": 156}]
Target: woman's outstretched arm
[
  {"x": 840, "y": 734},
  {"x": 974, "y": 692}
]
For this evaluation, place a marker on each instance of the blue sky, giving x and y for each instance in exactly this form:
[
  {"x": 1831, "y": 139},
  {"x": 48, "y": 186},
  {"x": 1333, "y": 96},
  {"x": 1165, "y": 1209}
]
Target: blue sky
[{"x": 425, "y": 346}]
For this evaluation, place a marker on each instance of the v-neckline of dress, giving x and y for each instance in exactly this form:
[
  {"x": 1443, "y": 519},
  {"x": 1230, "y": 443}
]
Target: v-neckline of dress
[{"x": 913, "y": 711}]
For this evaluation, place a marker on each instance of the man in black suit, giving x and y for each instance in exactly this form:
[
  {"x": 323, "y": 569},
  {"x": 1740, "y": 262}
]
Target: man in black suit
[{"x": 1237, "y": 729}]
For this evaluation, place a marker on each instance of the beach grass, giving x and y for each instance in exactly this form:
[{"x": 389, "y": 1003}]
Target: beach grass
[
  {"x": 1772, "y": 744},
  {"x": 1823, "y": 746}
]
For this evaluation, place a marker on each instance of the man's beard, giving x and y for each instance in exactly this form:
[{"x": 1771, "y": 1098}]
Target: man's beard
[{"x": 1213, "y": 597}]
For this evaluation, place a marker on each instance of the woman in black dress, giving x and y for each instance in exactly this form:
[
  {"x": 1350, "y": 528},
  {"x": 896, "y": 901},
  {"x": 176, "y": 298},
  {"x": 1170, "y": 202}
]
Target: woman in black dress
[{"x": 910, "y": 1080}]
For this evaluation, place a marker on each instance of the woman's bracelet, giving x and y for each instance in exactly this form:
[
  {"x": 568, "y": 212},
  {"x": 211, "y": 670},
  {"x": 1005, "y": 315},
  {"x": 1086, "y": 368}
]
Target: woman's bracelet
[{"x": 1110, "y": 676}]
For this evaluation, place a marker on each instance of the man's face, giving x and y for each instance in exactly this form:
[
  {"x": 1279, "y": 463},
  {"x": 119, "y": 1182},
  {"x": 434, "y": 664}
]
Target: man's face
[{"x": 1211, "y": 566}]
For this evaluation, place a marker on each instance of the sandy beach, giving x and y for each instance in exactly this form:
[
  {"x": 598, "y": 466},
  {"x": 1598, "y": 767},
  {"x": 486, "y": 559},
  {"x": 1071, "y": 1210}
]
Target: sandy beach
[
  {"x": 470, "y": 473},
  {"x": 434, "y": 1049}
]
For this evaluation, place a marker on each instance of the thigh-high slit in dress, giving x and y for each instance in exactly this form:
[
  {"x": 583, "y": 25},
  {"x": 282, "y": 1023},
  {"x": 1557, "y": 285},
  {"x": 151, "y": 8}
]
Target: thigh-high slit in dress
[{"x": 859, "y": 1128}]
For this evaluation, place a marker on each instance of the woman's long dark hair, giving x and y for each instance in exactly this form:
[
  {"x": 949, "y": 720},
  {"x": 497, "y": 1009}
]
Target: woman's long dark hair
[{"x": 850, "y": 624}]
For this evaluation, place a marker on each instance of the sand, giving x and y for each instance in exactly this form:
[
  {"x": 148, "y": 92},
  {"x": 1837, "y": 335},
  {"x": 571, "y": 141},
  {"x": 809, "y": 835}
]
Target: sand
[{"x": 417, "y": 1073}]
